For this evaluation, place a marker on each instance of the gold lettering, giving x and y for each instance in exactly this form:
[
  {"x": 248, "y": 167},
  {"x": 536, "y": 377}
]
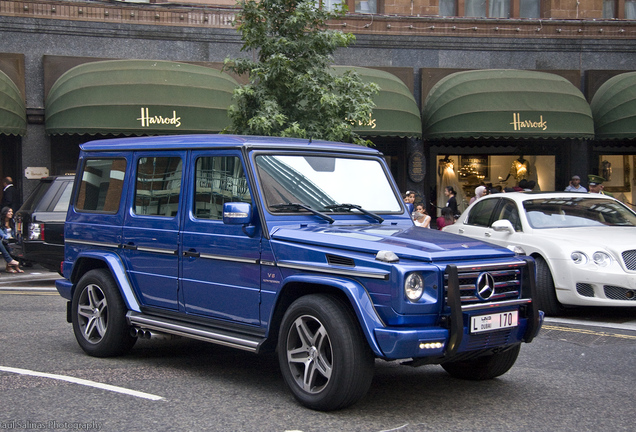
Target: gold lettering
[
  {"x": 147, "y": 120},
  {"x": 519, "y": 124}
]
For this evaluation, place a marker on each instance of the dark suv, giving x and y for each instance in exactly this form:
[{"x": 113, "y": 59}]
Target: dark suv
[{"x": 40, "y": 223}]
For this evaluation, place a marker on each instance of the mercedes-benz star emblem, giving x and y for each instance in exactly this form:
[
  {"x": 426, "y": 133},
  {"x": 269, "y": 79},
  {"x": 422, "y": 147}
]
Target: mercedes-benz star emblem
[{"x": 485, "y": 286}]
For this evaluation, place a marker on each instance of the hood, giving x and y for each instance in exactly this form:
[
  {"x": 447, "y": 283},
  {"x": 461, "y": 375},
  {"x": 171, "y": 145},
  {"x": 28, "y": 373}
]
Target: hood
[
  {"x": 615, "y": 238},
  {"x": 409, "y": 242}
]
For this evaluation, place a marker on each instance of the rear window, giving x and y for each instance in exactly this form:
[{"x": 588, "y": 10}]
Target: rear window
[
  {"x": 36, "y": 196},
  {"x": 101, "y": 185}
]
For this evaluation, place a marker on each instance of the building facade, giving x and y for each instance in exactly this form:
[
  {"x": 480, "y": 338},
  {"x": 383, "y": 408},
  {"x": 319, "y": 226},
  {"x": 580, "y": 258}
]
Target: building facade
[{"x": 567, "y": 51}]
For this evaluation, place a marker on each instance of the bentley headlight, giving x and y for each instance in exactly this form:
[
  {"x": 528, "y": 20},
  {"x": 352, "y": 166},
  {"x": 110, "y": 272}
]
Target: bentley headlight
[
  {"x": 579, "y": 257},
  {"x": 414, "y": 287},
  {"x": 602, "y": 259}
]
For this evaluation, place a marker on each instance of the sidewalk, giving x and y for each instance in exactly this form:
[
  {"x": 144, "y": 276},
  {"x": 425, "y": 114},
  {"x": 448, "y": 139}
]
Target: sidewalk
[{"x": 34, "y": 273}]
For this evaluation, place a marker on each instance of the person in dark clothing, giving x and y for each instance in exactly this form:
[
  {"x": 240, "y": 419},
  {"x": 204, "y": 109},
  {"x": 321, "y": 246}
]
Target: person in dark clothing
[
  {"x": 452, "y": 201},
  {"x": 8, "y": 194}
]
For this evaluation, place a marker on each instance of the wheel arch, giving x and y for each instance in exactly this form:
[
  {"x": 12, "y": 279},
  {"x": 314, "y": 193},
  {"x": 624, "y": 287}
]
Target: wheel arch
[
  {"x": 350, "y": 292},
  {"x": 88, "y": 261}
]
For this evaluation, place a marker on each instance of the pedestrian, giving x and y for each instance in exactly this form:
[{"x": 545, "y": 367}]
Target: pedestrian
[
  {"x": 6, "y": 231},
  {"x": 7, "y": 224},
  {"x": 421, "y": 217},
  {"x": 480, "y": 191},
  {"x": 596, "y": 185},
  {"x": 447, "y": 218},
  {"x": 8, "y": 193},
  {"x": 575, "y": 185},
  {"x": 409, "y": 197},
  {"x": 452, "y": 201}
]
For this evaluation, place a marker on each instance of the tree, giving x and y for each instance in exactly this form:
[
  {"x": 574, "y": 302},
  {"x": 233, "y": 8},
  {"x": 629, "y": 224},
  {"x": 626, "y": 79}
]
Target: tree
[{"x": 292, "y": 89}]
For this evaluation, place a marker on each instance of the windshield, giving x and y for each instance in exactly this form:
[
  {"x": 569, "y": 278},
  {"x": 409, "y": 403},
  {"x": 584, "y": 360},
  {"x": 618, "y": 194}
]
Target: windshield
[
  {"x": 323, "y": 182},
  {"x": 577, "y": 212}
]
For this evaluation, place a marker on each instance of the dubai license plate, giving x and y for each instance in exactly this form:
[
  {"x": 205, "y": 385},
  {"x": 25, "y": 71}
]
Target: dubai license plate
[{"x": 496, "y": 321}]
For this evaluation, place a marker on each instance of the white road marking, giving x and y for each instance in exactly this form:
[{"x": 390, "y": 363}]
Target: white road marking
[{"x": 82, "y": 382}]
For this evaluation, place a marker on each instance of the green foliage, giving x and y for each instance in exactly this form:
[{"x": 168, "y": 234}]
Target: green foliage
[{"x": 292, "y": 89}]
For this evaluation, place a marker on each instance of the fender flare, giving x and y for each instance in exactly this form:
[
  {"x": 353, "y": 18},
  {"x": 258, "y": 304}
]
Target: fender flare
[
  {"x": 358, "y": 297},
  {"x": 116, "y": 266}
]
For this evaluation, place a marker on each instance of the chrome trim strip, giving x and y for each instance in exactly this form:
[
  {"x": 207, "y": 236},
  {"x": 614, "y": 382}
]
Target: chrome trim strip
[
  {"x": 331, "y": 270},
  {"x": 217, "y": 337},
  {"x": 92, "y": 243},
  {"x": 494, "y": 266},
  {"x": 156, "y": 250},
  {"x": 229, "y": 258},
  {"x": 492, "y": 305}
]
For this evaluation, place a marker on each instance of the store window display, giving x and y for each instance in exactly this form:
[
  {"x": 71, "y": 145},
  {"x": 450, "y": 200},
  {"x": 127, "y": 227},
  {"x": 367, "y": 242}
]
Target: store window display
[{"x": 448, "y": 177}]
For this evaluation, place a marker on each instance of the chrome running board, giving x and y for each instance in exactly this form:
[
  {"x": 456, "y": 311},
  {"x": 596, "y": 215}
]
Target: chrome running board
[{"x": 179, "y": 328}]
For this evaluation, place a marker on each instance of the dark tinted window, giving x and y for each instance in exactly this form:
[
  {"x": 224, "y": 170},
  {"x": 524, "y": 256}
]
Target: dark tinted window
[
  {"x": 482, "y": 212},
  {"x": 158, "y": 186},
  {"x": 36, "y": 196},
  {"x": 219, "y": 180},
  {"x": 101, "y": 185},
  {"x": 509, "y": 211}
]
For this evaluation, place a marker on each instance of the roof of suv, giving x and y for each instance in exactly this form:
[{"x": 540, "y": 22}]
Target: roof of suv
[{"x": 201, "y": 141}]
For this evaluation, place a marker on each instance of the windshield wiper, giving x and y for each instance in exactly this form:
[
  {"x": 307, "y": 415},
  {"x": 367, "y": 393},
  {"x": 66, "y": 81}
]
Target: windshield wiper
[
  {"x": 297, "y": 206},
  {"x": 350, "y": 207}
]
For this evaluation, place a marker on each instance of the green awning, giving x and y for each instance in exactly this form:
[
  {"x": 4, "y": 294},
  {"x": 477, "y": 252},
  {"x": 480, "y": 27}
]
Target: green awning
[
  {"x": 139, "y": 97},
  {"x": 614, "y": 108},
  {"x": 395, "y": 112},
  {"x": 506, "y": 104},
  {"x": 12, "y": 108}
]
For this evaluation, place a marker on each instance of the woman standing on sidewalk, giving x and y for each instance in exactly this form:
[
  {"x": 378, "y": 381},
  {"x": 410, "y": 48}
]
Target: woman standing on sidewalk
[{"x": 6, "y": 230}]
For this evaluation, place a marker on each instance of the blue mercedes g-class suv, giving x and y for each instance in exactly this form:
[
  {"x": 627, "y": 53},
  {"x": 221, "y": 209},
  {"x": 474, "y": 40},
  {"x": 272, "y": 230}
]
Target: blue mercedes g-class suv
[{"x": 301, "y": 247}]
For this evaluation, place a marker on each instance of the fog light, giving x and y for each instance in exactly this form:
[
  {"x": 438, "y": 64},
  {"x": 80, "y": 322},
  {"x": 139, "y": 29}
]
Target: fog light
[{"x": 431, "y": 345}]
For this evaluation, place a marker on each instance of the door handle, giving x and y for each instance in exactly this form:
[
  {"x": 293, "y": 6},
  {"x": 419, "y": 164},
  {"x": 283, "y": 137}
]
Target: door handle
[
  {"x": 130, "y": 246},
  {"x": 191, "y": 254}
]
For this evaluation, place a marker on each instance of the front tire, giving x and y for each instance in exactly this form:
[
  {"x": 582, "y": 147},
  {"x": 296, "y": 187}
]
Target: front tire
[
  {"x": 484, "y": 367},
  {"x": 323, "y": 355},
  {"x": 99, "y": 316},
  {"x": 546, "y": 293}
]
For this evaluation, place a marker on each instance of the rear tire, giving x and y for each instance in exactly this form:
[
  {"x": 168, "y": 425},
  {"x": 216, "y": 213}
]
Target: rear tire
[
  {"x": 99, "y": 316},
  {"x": 484, "y": 367},
  {"x": 323, "y": 355},
  {"x": 546, "y": 293}
]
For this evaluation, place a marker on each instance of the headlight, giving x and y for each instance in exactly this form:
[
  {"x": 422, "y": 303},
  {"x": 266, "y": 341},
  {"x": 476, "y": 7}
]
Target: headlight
[
  {"x": 414, "y": 287},
  {"x": 602, "y": 259},
  {"x": 579, "y": 257}
]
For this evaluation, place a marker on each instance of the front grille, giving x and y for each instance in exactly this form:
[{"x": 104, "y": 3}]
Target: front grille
[
  {"x": 619, "y": 293},
  {"x": 507, "y": 282},
  {"x": 629, "y": 257},
  {"x": 585, "y": 289},
  {"x": 490, "y": 340}
]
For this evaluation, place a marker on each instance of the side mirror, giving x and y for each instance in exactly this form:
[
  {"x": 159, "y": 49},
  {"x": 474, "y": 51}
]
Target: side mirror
[
  {"x": 503, "y": 225},
  {"x": 237, "y": 213}
]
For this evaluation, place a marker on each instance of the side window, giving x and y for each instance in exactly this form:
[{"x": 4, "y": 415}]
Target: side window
[
  {"x": 219, "y": 179},
  {"x": 509, "y": 211},
  {"x": 158, "y": 186},
  {"x": 65, "y": 198},
  {"x": 481, "y": 213},
  {"x": 101, "y": 185}
]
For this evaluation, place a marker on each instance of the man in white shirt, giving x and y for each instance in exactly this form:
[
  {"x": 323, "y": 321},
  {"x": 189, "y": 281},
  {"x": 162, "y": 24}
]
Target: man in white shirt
[{"x": 575, "y": 185}]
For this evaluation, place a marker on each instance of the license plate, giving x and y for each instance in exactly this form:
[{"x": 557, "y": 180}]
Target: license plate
[{"x": 496, "y": 321}]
